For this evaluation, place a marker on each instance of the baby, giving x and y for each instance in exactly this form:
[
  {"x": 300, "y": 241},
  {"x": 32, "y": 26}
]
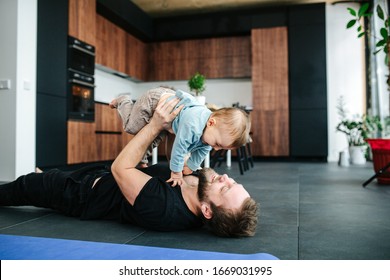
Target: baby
[{"x": 198, "y": 130}]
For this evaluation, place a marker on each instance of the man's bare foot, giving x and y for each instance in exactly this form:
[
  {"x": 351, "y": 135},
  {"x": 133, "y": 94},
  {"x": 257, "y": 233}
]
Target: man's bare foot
[{"x": 38, "y": 170}]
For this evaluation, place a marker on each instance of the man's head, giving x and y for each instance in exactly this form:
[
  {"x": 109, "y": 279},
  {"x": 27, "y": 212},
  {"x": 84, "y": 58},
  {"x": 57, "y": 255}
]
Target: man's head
[
  {"x": 227, "y": 128},
  {"x": 226, "y": 206}
]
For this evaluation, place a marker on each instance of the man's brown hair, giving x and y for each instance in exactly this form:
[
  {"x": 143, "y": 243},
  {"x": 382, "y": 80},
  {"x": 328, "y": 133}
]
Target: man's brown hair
[{"x": 229, "y": 223}]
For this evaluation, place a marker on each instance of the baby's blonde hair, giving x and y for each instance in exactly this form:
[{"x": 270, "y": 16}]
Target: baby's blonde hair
[{"x": 236, "y": 123}]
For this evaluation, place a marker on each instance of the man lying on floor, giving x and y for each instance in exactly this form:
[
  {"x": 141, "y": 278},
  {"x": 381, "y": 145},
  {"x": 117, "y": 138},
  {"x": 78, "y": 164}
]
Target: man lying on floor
[{"x": 141, "y": 197}]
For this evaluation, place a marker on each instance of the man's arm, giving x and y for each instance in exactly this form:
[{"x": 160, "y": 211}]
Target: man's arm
[{"x": 130, "y": 180}]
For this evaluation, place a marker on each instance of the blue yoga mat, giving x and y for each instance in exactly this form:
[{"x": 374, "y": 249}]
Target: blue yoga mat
[{"x": 14, "y": 247}]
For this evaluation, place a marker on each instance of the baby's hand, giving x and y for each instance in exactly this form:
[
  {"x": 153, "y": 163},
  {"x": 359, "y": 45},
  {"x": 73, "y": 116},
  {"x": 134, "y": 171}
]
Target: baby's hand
[
  {"x": 187, "y": 170},
  {"x": 176, "y": 178}
]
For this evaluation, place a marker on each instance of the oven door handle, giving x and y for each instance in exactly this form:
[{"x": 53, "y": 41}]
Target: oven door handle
[
  {"x": 82, "y": 50},
  {"x": 81, "y": 83}
]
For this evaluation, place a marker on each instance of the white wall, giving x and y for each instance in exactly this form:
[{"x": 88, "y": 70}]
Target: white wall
[
  {"x": 109, "y": 86},
  {"x": 345, "y": 72},
  {"x": 221, "y": 92},
  {"x": 26, "y": 66},
  {"x": 18, "y": 29}
]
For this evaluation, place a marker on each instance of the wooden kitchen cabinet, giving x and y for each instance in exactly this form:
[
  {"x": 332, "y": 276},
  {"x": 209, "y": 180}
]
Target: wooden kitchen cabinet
[
  {"x": 107, "y": 119},
  {"x": 108, "y": 132},
  {"x": 82, "y": 20},
  {"x": 82, "y": 144},
  {"x": 120, "y": 51},
  {"x": 101, "y": 140},
  {"x": 110, "y": 45},
  {"x": 270, "y": 115},
  {"x": 86, "y": 144},
  {"x": 109, "y": 145},
  {"x": 228, "y": 57},
  {"x": 137, "y": 58}
]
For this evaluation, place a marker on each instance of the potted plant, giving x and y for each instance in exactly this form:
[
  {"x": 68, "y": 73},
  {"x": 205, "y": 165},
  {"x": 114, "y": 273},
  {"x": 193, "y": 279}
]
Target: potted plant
[
  {"x": 357, "y": 129},
  {"x": 354, "y": 130},
  {"x": 380, "y": 150},
  {"x": 197, "y": 84},
  {"x": 380, "y": 147}
]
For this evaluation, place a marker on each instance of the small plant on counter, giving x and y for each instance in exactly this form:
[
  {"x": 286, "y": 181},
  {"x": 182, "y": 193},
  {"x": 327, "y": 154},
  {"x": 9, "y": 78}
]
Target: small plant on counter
[{"x": 197, "y": 84}]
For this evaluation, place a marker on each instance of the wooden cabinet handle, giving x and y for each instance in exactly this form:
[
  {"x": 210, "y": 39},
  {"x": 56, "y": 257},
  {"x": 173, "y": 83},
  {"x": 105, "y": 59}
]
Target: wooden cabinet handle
[{"x": 107, "y": 132}]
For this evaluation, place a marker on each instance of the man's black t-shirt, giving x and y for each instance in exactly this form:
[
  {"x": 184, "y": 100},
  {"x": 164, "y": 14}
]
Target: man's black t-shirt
[{"x": 158, "y": 206}]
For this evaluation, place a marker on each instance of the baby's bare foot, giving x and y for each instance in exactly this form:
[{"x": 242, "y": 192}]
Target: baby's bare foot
[{"x": 115, "y": 102}]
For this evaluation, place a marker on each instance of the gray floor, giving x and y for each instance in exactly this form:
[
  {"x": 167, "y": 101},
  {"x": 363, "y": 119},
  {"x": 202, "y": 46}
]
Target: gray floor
[{"x": 310, "y": 211}]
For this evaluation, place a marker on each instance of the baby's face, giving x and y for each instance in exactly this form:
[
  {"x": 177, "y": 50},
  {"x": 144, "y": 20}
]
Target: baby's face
[{"x": 217, "y": 138}]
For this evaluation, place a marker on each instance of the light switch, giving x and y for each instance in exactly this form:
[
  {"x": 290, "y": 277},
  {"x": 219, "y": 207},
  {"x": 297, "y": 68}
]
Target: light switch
[
  {"x": 26, "y": 85},
  {"x": 5, "y": 84}
]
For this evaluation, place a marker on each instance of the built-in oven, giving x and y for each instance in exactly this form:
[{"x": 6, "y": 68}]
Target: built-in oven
[
  {"x": 81, "y": 56},
  {"x": 81, "y": 81},
  {"x": 81, "y": 102}
]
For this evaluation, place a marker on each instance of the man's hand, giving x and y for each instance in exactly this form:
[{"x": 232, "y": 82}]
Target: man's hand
[
  {"x": 164, "y": 113},
  {"x": 176, "y": 179}
]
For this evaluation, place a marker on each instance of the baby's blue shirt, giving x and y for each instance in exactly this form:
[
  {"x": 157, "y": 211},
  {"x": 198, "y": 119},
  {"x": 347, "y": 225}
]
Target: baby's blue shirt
[{"x": 188, "y": 127}]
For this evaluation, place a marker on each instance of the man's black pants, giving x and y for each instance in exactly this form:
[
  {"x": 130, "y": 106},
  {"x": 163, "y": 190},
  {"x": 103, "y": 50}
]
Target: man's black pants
[{"x": 65, "y": 192}]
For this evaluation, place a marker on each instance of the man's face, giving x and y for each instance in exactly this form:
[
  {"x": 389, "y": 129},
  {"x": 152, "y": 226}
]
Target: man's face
[{"x": 220, "y": 190}]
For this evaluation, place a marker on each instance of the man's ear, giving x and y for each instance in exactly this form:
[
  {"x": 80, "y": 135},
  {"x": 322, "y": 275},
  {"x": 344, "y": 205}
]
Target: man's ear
[
  {"x": 211, "y": 122},
  {"x": 206, "y": 210}
]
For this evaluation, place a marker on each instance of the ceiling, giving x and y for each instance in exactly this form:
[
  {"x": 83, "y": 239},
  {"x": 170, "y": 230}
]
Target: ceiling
[{"x": 165, "y": 8}]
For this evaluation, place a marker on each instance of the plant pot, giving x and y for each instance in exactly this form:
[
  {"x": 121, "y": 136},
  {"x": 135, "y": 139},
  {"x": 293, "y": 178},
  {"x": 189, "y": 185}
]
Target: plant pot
[
  {"x": 201, "y": 99},
  {"x": 358, "y": 154},
  {"x": 381, "y": 157}
]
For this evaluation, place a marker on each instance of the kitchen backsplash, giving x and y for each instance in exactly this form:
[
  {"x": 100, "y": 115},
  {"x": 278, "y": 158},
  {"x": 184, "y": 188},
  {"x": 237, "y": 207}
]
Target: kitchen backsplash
[{"x": 221, "y": 92}]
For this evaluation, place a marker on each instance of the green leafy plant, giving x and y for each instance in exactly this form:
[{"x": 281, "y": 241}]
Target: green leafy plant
[
  {"x": 355, "y": 131},
  {"x": 383, "y": 43},
  {"x": 363, "y": 12},
  {"x": 197, "y": 83},
  {"x": 357, "y": 128}
]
